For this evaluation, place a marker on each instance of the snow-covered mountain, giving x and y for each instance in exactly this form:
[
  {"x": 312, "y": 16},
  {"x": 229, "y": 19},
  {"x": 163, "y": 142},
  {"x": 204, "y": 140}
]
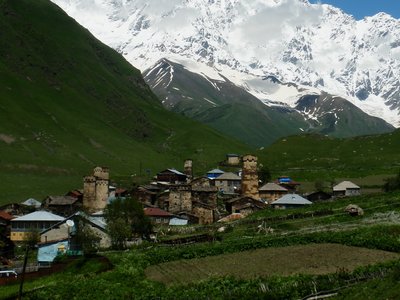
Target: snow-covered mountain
[{"x": 317, "y": 47}]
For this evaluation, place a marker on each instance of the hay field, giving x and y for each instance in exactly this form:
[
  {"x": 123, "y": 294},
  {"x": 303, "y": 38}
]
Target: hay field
[{"x": 304, "y": 259}]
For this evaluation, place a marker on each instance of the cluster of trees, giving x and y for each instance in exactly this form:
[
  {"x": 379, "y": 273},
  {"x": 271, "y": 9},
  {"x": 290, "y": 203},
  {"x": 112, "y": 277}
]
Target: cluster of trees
[{"x": 125, "y": 220}]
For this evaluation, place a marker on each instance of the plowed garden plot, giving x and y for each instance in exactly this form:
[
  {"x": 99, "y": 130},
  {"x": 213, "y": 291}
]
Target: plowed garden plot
[{"x": 306, "y": 259}]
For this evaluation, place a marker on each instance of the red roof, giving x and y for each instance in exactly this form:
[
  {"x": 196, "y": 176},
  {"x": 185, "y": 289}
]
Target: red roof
[
  {"x": 6, "y": 216},
  {"x": 156, "y": 212},
  {"x": 120, "y": 191}
]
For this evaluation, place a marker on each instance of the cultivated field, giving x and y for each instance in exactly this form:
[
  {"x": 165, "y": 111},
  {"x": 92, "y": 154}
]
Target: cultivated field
[{"x": 315, "y": 259}]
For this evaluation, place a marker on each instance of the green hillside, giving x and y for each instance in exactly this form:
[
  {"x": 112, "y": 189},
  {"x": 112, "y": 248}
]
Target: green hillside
[
  {"x": 222, "y": 105},
  {"x": 314, "y": 157},
  {"x": 68, "y": 103},
  {"x": 233, "y": 111}
]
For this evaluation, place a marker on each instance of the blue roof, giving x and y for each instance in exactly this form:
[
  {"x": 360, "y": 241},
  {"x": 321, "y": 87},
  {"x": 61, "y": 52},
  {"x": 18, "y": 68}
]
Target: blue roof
[{"x": 48, "y": 252}]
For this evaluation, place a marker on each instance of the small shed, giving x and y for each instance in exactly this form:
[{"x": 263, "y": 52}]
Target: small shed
[
  {"x": 346, "y": 189},
  {"x": 290, "y": 201},
  {"x": 32, "y": 203},
  {"x": 318, "y": 196},
  {"x": 232, "y": 159}
]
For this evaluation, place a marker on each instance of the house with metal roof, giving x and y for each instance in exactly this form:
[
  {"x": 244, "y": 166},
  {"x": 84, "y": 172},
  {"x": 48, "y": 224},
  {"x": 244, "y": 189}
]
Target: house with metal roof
[
  {"x": 37, "y": 221},
  {"x": 290, "y": 201},
  {"x": 62, "y": 205},
  {"x": 32, "y": 202},
  {"x": 214, "y": 173},
  {"x": 271, "y": 191},
  {"x": 346, "y": 189},
  {"x": 171, "y": 176},
  {"x": 158, "y": 216},
  {"x": 228, "y": 182},
  {"x": 68, "y": 229}
]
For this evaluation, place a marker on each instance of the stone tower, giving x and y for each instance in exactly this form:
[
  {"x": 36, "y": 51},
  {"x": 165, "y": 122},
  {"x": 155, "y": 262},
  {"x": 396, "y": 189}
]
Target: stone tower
[
  {"x": 95, "y": 190},
  {"x": 89, "y": 191},
  {"x": 250, "y": 176},
  {"x": 180, "y": 199},
  {"x": 188, "y": 168}
]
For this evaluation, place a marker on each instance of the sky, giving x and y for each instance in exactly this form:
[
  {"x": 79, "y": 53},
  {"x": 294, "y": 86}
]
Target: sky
[{"x": 363, "y": 8}]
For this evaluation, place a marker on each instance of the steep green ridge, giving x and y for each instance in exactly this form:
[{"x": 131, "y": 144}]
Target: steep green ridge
[
  {"x": 313, "y": 157},
  {"x": 68, "y": 103},
  {"x": 338, "y": 117},
  {"x": 222, "y": 105},
  {"x": 235, "y": 112}
]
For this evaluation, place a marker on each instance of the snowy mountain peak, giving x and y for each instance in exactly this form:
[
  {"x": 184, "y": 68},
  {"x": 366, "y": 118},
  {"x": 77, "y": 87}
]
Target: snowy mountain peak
[{"x": 315, "y": 45}]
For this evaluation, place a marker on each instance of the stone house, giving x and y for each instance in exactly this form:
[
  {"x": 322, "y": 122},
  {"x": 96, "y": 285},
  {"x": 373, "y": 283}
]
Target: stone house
[
  {"x": 62, "y": 205},
  {"x": 346, "y": 189},
  {"x": 232, "y": 159},
  {"x": 158, "y": 216},
  {"x": 228, "y": 182},
  {"x": 205, "y": 213},
  {"x": 270, "y": 192},
  {"x": 244, "y": 205}
]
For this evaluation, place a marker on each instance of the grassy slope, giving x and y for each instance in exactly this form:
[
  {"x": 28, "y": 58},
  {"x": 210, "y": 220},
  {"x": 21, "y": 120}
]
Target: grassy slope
[
  {"x": 312, "y": 157},
  {"x": 375, "y": 230},
  {"x": 68, "y": 103},
  {"x": 235, "y": 112}
]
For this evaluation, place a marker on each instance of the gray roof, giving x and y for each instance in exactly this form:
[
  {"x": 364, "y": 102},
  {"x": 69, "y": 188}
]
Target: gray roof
[
  {"x": 216, "y": 171},
  {"x": 176, "y": 172},
  {"x": 61, "y": 200},
  {"x": 32, "y": 202},
  {"x": 270, "y": 186},
  {"x": 40, "y": 215},
  {"x": 344, "y": 185},
  {"x": 228, "y": 176},
  {"x": 291, "y": 199}
]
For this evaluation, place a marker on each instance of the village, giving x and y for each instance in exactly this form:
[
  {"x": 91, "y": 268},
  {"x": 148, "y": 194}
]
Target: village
[{"x": 173, "y": 198}]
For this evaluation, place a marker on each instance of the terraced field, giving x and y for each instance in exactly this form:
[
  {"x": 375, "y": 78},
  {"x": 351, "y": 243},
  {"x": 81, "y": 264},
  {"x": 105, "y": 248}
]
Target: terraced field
[{"x": 313, "y": 259}]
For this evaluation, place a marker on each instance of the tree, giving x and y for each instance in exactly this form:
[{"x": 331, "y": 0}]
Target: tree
[
  {"x": 264, "y": 174},
  {"x": 319, "y": 185},
  {"x": 392, "y": 183},
  {"x": 88, "y": 240},
  {"x": 125, "y": 218}
]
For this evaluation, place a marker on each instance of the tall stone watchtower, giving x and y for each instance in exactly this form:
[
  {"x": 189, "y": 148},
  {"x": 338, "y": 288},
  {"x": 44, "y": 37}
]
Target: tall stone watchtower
[
  {"x": 250, "y": 176},
  {"x": 188, "y": 168},
  {"x": 95, "y": 190}
]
